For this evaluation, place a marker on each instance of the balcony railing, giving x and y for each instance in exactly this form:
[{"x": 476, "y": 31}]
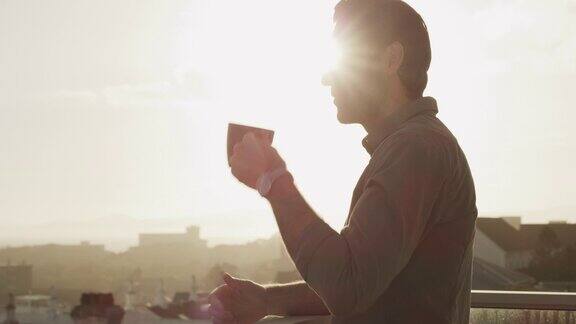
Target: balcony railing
[
  {"x": 522, "y": 307},
  {"x": 501, "y": 307},
  {"x": 536, "y": 300}
]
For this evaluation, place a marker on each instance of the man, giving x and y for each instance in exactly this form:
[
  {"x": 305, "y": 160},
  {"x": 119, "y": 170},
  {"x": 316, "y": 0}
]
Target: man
[{"x": 405, "y": 253}]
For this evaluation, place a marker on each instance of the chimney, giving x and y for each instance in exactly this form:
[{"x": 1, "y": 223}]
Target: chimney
[{"x": 514, "y": 221}]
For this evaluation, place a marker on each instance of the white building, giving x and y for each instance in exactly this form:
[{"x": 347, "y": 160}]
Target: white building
[
  {"x": 508, "y": 243},
  {"x": 190, "y": 238}
]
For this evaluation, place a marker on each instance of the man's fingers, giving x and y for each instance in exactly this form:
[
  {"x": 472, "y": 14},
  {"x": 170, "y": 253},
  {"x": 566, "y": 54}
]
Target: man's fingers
[
  {"x": 240, "y": 174},
  {"x": 238, "y": 285},
  {"x": 252, "y": 147},
  {"x": 215, "y": 304},
  {"x": 235, "y": 148},
  {"x": 220, "y": 314},
  {"x": 253, "y": 143},
  {"x": 265, "y": 138},
  {"x": 231, "y": 281},
  {"x": 220, "y": 321},
  {"x": 235, "y": 283},
  {"x": 248, "y": 137},
  {"x": 227, "y": 279},
  {"x": 223, "y": 315},
  {"x": 224, "y": 320}
]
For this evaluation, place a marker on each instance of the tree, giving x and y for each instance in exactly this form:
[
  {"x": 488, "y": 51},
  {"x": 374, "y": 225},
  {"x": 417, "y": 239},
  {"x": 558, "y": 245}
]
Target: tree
[
  {"x": 554, "y": 264},
  {"x": 547, "y": 245}
]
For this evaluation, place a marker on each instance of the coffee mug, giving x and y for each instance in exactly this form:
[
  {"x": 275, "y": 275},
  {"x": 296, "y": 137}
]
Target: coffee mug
[{"x": 236, "y": 133}]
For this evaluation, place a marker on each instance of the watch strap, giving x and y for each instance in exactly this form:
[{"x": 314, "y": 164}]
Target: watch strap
[
  {"x": 266, "y": 180},
  {"x": 276, "y": 173}
]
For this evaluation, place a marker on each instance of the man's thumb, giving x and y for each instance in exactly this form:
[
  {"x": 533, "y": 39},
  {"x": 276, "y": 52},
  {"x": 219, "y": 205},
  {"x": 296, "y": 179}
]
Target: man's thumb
[{"x": 231, "y": 281}]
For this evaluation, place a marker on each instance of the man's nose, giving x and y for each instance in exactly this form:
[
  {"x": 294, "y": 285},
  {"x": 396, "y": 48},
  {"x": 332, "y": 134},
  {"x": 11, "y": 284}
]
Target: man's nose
[{"x": 328, "y": 78}]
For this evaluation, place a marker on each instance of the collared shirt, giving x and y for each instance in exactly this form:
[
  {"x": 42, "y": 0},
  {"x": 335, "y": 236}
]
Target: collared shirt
[{"x": 405, "y": 253}]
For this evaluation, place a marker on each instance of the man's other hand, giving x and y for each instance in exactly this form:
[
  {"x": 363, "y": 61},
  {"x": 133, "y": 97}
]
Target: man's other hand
[
  {"x": 238, "y": 301},
  {"x": 252, "y": 157}
]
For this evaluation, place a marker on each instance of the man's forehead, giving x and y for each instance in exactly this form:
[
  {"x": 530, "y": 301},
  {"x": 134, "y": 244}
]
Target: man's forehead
[
  {"x": 351, "y": 28},
  {"x": 338, "y": 10},
  {"x": 351, "y": 17},
  {"x": 342, "y": 12},
  {"x": 345, "y": 9}
]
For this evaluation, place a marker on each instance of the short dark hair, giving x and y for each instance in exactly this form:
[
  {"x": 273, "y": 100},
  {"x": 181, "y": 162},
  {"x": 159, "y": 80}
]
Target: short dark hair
[{"x": 384, "y": 21}]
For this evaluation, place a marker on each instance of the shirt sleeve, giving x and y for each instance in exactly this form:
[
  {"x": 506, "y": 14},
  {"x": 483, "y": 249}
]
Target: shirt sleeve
[{"x": 351, "y": 269}]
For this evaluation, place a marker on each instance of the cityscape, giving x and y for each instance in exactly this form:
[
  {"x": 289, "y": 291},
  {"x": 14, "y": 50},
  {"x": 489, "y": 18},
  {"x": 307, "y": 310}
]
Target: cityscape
[
  {"x": 118, "y": 197},
  {"x": 180, "y": 267}
]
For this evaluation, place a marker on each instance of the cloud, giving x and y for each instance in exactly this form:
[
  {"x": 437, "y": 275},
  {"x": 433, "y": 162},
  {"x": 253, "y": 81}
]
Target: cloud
[{"x": 183, "y": 87}]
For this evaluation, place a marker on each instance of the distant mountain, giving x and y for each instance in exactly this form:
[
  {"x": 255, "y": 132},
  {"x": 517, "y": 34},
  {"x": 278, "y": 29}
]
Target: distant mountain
[{"x": 118, "y": 232}]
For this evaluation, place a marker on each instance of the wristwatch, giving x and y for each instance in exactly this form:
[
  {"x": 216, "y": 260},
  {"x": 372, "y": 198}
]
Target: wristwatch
[{"x": 265, "y": 181}]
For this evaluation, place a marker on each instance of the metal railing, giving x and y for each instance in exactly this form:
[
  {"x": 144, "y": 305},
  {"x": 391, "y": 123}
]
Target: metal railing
[
  {"x": 536, "y": 300},
  {"x": 501, "y": 307}
]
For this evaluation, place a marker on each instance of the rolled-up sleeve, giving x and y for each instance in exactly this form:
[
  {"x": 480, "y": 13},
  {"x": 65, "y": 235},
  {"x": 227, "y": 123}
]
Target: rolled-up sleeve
[{"x": 351, "y": 269}]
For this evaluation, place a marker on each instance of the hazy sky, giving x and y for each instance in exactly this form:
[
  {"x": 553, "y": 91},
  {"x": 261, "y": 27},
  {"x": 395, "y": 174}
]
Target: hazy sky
[{"x": 113, "y": 114}]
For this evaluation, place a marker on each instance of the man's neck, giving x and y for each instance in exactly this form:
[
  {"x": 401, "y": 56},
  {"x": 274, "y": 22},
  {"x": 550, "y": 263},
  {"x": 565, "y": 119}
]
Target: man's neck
[{"x": 390, "y": 106}]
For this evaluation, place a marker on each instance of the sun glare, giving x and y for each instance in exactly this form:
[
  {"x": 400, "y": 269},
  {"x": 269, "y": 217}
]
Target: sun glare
[{"x": 332, "y": 56}]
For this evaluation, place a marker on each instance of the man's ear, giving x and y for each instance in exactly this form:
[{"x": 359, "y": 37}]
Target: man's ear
[{"x": 394, "y": 57}]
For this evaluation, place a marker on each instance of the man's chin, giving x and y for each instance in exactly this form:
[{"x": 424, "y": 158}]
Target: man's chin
[{"x": 346, "y": 118}]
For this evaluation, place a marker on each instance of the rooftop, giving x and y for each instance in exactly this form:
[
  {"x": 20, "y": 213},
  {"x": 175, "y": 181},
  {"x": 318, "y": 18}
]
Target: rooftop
[{"x": 521, "y": 237}]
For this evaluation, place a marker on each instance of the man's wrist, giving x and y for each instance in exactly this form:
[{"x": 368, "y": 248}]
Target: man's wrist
[
  {"x": 268, "y": 300},
  {"x": 273, "y": 300},
  {"x": 283, "y": 187}
]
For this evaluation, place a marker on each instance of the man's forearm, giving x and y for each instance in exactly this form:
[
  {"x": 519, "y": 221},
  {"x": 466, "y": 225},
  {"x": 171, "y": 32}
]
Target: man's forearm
[
  {"x": 304, "y": 233},
  {"x": 293, "y": 299},
  {"x": 294, "y": 217},
  {"x": 292, "y": 212}
]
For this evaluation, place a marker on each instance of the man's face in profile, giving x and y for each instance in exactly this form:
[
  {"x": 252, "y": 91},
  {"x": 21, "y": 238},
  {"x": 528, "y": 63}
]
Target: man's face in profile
[{"x": 357, "y": 84}]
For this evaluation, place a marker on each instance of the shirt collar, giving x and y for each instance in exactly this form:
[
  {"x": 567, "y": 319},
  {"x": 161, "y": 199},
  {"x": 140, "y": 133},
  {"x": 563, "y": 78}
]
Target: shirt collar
[{"x": 396, "y": 119}]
